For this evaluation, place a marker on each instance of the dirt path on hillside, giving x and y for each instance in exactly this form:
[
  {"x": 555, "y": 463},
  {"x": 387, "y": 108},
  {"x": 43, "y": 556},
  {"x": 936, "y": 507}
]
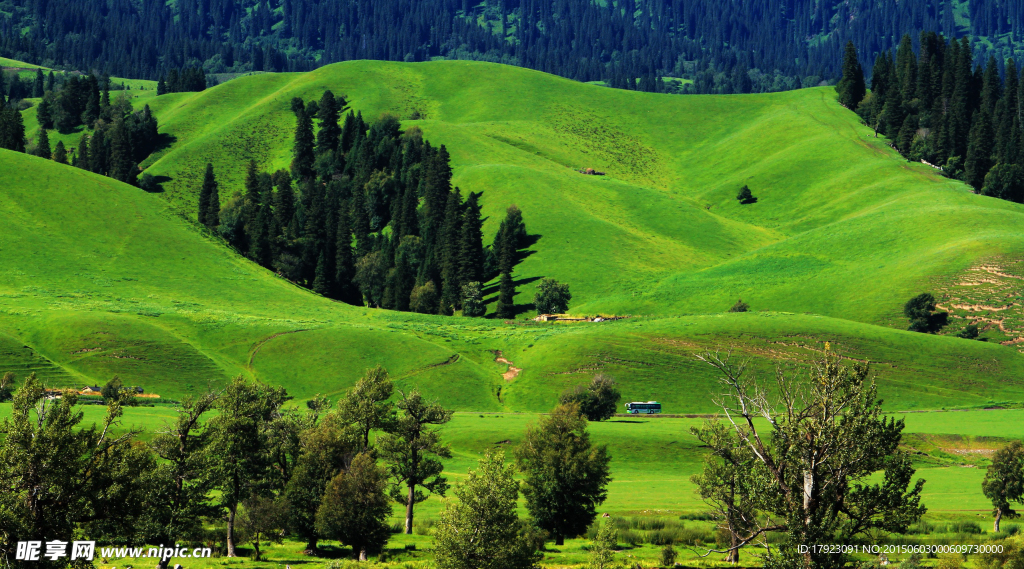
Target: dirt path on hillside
[
  {"x": 259, "y": 345},
  {"x": 512, "y": 372}
]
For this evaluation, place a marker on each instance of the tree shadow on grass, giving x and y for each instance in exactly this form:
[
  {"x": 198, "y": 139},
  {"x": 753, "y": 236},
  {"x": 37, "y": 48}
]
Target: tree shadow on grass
[{"x": 163, "y": 142}]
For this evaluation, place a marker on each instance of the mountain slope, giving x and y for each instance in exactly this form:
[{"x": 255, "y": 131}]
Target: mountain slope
[
  {"x": 99, "y": 278},
  {"x": 842, "y": 227}
]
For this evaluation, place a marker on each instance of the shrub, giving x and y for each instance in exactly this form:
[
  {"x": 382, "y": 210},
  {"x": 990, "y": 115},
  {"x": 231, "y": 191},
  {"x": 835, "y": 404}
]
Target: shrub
[
  {"x": 668, "y": 556},
  {"x": 552, "y": 297},
  {"x": 598, "y": 400},
  {"x": 969, "y": 333},
  {"x": 629, "y": 536},
  {"x": 965, "y": 527},
  {"x": 745, "y": 196},
  {"x": 740, "y": 306}
]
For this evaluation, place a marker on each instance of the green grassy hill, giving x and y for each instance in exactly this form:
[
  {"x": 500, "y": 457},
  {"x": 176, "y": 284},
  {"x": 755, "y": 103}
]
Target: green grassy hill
[
  {"x": 99, "y": 278},
  {"x": 843, "y": 226}
]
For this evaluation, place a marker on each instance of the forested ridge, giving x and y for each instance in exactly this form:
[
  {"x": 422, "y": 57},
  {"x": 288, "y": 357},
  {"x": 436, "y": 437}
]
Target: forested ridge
[
  {"x": 374, "y": 219},
  {"x": 724, "y": 47},
  {"x": 936, "y": 107}
]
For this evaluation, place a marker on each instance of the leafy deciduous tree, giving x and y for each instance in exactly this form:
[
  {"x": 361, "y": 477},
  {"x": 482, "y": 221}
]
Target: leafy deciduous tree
[{"x": 566, "y": 475}]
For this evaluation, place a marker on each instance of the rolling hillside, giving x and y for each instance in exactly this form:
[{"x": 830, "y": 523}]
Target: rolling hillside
[
  {"x": 843, "y": 226},
  {"x": 100, "y": 278}
]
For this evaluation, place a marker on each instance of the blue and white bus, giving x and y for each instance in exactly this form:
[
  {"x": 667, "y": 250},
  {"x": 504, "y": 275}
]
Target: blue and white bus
[{"x": 643, "y": 408}]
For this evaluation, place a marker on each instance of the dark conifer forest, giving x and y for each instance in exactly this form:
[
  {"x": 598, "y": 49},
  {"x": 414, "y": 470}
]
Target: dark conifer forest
[
  {"x": 367, "y": 215},
  {"x": 936, "y": 106},
  {"x": 723, "y": 47}
]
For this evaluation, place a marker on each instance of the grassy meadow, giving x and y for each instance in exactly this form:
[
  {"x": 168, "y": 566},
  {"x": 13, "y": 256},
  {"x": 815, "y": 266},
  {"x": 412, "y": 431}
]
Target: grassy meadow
[
  {"x": 100, "y": 279},
  {"x": 652, "y": 461}
]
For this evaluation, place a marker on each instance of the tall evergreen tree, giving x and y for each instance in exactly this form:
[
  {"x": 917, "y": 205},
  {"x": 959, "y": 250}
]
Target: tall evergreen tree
[
  {"x": 449, "y": 250},
  {"x": 329, "y": 136},
  {"x": 209, "y": 200},
  {"x": 42, "y": 149},
  {"x": 82, "y": 159},
  {"x": 471, "y": 250},
  {"x": 979, "y": 152},
  {"x": 303, "y": 155},
  {"x": 506, "y": 307},
  {"x": 99, "y": 152},
  {"x": 851, "y": 87},
  {"x": 38, "y": 85},
  {"x": 60, "y": 154},
  {"x": 122, "y": 165}
]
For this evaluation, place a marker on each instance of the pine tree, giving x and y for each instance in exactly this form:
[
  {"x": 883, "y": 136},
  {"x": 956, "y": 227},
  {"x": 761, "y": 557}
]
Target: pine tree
[
  {"x": 992, "y": 86},
  {"x": 60, "y": 154},
  {"x": 320, "y": 281},
  {"x": 209, "y": 200},
  {"x": 303, "y": 155},
  {"x": 344, "y": 263},
  {"x": 906, "y": 134},
  {"x": 43, "y": 145},
  {"x": 360, "y": 223},
  {"x": 284, "y": 200},
  {"x": 471, "y": 249},
  {"x": 38, "y": 85},
  {"x": 98, "y": 153},
  {"x": 450, "y": 250},
  {"x": 12, "y": 129},
  {"x": 92, "y": 107},
  {"x": 82, "y": 156},
  {"x": 44, "y": 112},
  {"x": 906, "y": 69},
  {"x": 979, "y": 152},
  {"x": 329, "y": 136},
  {"x": 251, "y": 205},
  {"x": 506, "y": 307},
  {"x": 51, "y": 81},
  {"x": 122, "y": 166},
  {"x": 851, "y": 88}
]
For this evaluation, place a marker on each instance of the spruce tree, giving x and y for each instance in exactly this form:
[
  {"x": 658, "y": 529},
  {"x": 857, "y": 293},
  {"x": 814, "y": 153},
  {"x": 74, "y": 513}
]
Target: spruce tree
[
  {"x": 92, "y": 107},
  {"x": 344, "y": 263},
  {"x": 12, "y": 129},
  {"x": 98, "y": 153},
  {"x": 82, "y": 156},
  {"x": 360, "y": 223},
  {"x": 303, "y": 152},
  {"x": 284, "y": 200},
  {"x": 991, "y": 87},
  {"x": 506, "y": 307},
  {"x": 122, "y": 166},
  {"x": 43, "y": 145},
  {"x": 209, "y": 200},
  {"x": 449, "y": 249},
  {"x": 329, "y": 136},
  {"x": 44, "y": 112},
  {"x": 851, "y": 88},
  {"x": 320, "y": 281},
  {"x": 979, "y": 152},
  {"x": 60, "y": 154},
  {"x": 38, "y": 85},
  {"x": 905, "y": 137},
  {"x": 471, "y": 249},
  {"x": 51, "y": 81},
  {"x": 251, "y": 205}
]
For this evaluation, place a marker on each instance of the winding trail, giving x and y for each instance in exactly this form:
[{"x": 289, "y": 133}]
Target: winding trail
[
  {"x": 259, "y": 345},
  {"x": 512, "y": 372}
]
